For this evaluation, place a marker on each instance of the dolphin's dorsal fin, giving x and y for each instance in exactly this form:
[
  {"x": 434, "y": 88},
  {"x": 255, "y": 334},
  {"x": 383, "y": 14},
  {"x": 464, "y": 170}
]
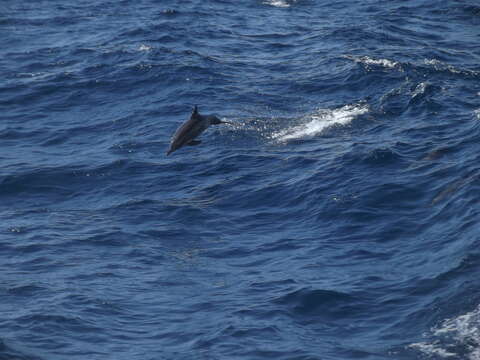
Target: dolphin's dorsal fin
[{"x": 195, "y": 111}]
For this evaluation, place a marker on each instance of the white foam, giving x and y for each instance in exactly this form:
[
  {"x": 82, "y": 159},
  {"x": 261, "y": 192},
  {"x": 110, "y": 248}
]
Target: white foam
[
  {"x": 432, "y": 349},
  {"x": 277, "y": 3},
  {"x": 315, "y": 123},
  {"x": 461, "y": 332},
  {"x": 432, "y": 62},
  {"x": 477, "y": 112},
  {"x": 438, "y": 65},
  {"x": 144, "y": 47},
  {"x": 370, "y": 61}
]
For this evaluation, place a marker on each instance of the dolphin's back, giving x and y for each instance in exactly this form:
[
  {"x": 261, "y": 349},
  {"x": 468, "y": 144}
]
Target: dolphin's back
[{"x": 187, "y": 132}]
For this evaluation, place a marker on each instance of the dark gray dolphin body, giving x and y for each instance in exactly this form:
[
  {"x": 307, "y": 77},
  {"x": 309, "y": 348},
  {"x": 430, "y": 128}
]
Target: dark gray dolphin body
[{"x": 191, "y": 128}]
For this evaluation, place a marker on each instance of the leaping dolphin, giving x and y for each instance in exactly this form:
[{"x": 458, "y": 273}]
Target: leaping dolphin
[{"x": 193, "y": 127}]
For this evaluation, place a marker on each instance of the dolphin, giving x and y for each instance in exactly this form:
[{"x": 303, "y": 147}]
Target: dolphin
[{"x": 191, "y": 128}]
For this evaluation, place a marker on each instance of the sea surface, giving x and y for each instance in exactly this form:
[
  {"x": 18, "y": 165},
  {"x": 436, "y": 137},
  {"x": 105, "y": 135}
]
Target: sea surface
[{"x": 336, "y": 218}]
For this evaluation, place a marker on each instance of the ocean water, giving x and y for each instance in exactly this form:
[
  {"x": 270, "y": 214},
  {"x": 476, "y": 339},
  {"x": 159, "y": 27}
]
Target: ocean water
[{"x": 336, "y": 218}]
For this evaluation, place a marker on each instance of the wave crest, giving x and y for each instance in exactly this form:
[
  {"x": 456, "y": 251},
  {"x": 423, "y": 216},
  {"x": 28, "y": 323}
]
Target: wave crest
[{"x": 455, "y": 337}]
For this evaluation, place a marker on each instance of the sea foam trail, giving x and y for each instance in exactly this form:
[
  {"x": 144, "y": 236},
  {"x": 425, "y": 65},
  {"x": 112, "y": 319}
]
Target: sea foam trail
[{"x": 321, "y": 119}]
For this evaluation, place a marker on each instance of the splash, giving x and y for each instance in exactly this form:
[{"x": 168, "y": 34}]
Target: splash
[
  {"x": 315, "y": 123},
  {"x": 459, "y": 337}
]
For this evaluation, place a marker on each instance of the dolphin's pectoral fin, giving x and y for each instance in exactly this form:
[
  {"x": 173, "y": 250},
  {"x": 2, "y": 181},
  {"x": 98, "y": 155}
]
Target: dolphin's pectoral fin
[{"x": 193, "y": 142}]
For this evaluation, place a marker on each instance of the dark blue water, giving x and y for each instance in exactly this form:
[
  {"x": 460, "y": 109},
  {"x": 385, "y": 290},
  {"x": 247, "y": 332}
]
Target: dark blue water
[{"x": 337, "y": 218}]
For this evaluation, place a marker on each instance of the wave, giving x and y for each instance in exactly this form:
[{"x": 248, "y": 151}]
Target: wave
[
  {"x": 441, "y": 66},
  {"x": 8, "y": 353},
  {"x": 457, "y": 337}
]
